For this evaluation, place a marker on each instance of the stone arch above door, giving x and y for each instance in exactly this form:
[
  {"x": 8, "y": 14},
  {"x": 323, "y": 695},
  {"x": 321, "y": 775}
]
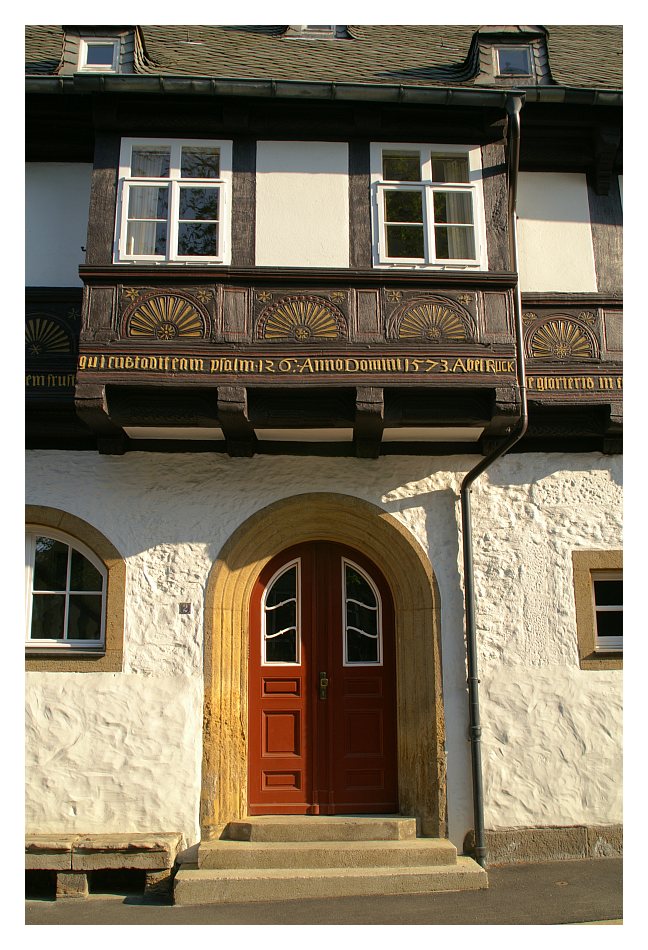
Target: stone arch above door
[{"x": 420, "y": 727}]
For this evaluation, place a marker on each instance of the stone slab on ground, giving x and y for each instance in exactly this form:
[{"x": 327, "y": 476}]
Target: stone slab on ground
[
  {"x": 236, "y": 885},
  {"x": 49, "y": 852},
  {"x": 145, "y": 852},
  {"x": 320, "y": 828}
]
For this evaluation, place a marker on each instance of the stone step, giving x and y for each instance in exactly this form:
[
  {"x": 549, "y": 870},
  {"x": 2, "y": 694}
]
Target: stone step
[
  {"x": 213, "y": 886},
  {"x": 413, "y": 852},
  {"x": 322, "y": 828}
]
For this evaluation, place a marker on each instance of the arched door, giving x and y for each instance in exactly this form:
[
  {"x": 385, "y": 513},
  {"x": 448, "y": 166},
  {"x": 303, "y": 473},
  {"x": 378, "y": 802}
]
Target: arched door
[{"x": 322, "y": 685}]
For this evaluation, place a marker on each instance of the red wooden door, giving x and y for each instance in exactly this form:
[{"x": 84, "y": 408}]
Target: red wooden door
[{"x": 322, "y": 685}]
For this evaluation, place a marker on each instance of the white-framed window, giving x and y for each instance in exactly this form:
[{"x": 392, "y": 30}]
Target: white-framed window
[
  {"x": 66, "y": 593},
  {"x": 99, "y": 55},
  {"x": 512, "y": 60},
  {"x": 362, "y": 618},
  {"x": 607, "y": 595},
  {"x": 281, "y": 617},
  {"x": 174, "y": 201},
  {"x": 428, "y": 206}
]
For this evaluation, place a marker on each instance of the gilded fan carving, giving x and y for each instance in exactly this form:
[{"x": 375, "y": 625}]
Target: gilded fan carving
[
  {"x": 46, "y": 337},
  {"x": 562, "y": 339},
  {"x": 165, "y": 317},
  {"x": 301, "y": 319},
  {"x": 432, "y": 321}
]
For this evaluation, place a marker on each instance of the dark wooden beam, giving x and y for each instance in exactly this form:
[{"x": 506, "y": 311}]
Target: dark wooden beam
[
  {"x": 608, "y": 139},
  {"x": 92, "y": 409},
  {"x": 233, "y": 417},
  {"x": 369, "y": 421}
]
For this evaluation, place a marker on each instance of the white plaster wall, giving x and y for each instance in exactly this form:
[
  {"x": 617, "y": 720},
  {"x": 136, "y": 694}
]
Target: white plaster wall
[
  {"x": 169, "y": 516},
  {"x": 57, "y": 200},
  {"x": 302, "y": 204},
  {"x": 554, "y": 233}
]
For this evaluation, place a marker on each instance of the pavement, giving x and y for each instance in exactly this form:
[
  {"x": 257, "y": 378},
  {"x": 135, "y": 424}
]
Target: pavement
[{"x": 562, "y": 892}]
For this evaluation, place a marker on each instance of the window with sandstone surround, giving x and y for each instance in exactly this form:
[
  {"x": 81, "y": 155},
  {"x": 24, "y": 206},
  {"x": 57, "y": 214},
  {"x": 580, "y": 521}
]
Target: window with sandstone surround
[
  {"x": 75, "y": 595},
  {"x": 598, "y": 592}
]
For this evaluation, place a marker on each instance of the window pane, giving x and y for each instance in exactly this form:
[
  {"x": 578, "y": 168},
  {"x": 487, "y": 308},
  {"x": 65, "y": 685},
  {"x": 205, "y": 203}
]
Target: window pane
[
  {"x": 282, "y": 649},
  {"x": 405, "y": 241},
  {"x": 199, "y": 162},
  {"x": 148, "y": 202},
  {"x": 452, "y": 207},
  {"x": 84, "y": 617},
  {"x": 449, "y": 168},
  {"x": 146, "y": 238},
  {"x": 361, "y": 649},
  {"x": 513, "y": 61},
  {"x": 99, "y": 54},
  {"x": 609, "y": 623},
  {"x": 455, "y": 243},
  {"x": 403, "y": 206},
  {"x": 50, "y": 564},
  {"x": 403, "y": 167},
  {"x": 198, "y": 240},
  {"x": 48, "y": 616},
  {"x": 358, "y": 589},
  {"x": 83, "y": 574},
  {"x": 608, "y": 593},
  {"x": 284, "y": 588},
  {"x": 149, "y": 162},
  {"x": 199, "y": 204}
]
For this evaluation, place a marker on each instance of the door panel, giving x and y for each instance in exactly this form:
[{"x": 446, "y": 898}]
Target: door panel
[{"x": 322, "y": 697}]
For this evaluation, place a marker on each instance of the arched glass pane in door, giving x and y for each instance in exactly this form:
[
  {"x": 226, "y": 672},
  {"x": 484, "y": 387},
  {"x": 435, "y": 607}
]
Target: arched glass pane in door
[
  {"x": 362, "y": 617},
  {"x": 281, "y": 617}
]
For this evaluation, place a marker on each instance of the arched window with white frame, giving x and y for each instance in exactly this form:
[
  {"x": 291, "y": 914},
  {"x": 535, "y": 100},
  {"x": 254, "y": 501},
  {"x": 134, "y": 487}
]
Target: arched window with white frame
[{"x": 66, "y": 593}]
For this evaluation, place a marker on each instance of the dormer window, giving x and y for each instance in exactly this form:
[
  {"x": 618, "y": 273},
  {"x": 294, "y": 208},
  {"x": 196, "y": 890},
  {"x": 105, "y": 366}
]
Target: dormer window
[
  {"x": 512, "y": 61},
  {"x": 99, "y": 55}
]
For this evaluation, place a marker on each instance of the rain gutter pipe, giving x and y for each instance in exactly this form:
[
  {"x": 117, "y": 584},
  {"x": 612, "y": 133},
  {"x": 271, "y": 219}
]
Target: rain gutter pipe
[{"x": 514, "y": 104}]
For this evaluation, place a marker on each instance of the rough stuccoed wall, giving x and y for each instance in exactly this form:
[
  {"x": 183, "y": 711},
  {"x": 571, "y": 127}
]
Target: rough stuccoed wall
[{"x": 131, "y": 749}]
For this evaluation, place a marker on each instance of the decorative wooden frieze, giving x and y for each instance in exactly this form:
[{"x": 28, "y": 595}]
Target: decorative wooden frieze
[
  {"x": 301, "y": 319},
  {"x": 167, "y": 316},
  {"x": 51, "y": 345},
  {"x": 46, "y": 336},
  {"x": 433, "y": 320},
  {"x": 564, "y": 339}
]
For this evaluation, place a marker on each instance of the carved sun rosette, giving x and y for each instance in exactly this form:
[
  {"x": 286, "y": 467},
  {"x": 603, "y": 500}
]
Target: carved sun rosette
[
  {"x": 435, "y": 321},
  {"x": 165, "y": 317},
  {"x": 301, "y": 319},
  {"x": 562, "y": 339},
  {"x": 46, "y": 337}
]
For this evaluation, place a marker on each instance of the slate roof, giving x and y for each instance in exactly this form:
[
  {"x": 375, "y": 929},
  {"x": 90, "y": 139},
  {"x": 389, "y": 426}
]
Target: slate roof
[{"x": 579, "y": 56}]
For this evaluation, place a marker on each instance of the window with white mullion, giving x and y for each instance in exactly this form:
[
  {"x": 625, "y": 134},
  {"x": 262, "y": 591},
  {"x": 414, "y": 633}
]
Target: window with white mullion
[
  {"x": 65, "y": 590},
  {"x": 174, "y": 201},
  {"x": 443, "y": 226}
]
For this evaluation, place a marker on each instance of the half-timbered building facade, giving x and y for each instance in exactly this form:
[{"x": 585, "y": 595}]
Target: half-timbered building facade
[{"x": 323, "y": 389}]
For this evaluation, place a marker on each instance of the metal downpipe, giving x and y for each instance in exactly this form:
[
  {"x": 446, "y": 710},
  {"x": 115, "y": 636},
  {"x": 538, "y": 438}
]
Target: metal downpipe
[{"x": 513, "y": 107}]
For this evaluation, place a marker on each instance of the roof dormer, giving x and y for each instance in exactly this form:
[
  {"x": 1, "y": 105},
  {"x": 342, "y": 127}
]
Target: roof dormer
[
  {"x": 98, "y": 49},
  {"x": 512, "y": 56}
]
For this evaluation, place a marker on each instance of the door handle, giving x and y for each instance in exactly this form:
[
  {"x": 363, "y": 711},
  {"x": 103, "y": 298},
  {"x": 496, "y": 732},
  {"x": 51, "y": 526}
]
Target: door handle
[{"x": 323, "y": 685}]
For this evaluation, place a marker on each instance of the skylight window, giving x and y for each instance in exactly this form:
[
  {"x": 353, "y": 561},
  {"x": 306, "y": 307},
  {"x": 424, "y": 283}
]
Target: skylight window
[
  {"x": 99, "y": 55},
  {"x": 512, "y": 61}
]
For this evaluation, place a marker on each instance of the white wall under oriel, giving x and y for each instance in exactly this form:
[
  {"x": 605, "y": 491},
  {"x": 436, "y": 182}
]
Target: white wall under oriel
[
  {"x": 122, "y": 751},
  {"x": 57, "y": 200}
]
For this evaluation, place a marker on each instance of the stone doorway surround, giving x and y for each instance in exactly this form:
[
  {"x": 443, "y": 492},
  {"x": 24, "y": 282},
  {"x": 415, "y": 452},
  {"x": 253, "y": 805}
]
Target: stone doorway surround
[{"x": 420, "y": 726}]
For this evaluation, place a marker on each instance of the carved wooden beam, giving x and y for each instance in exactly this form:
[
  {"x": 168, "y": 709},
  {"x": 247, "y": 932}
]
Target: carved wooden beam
[
  {"x": 92, "y": 409},
  {"x": 506, "y": 412},
  {"x": 369, "y": 421},
  {"x": 233, "y": 417}
]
